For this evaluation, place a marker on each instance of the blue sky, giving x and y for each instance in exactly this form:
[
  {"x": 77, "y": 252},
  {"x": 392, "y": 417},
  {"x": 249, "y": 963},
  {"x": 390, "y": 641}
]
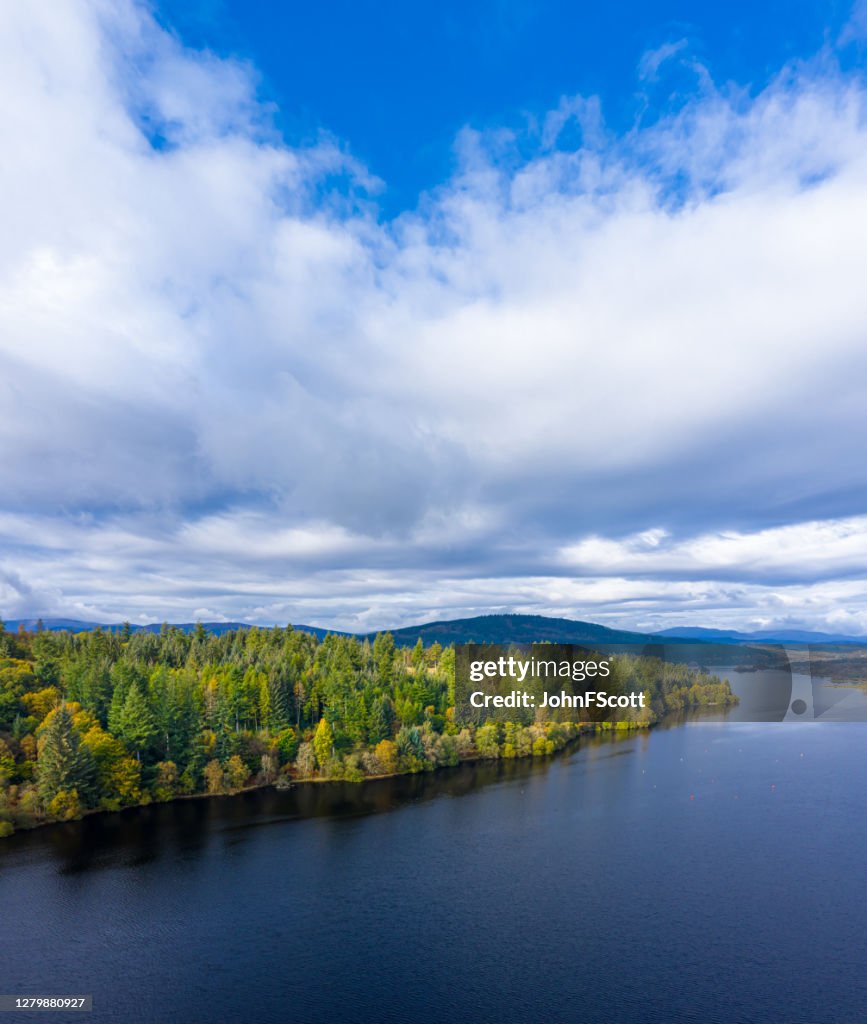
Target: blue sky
[
  {"x": 376, "y": 314},
  {"x": 396, "y": 82}
]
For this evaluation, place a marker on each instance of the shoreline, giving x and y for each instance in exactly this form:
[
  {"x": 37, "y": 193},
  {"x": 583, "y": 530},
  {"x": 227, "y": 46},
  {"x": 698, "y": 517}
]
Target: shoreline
[{"x": 583, "y": 729}]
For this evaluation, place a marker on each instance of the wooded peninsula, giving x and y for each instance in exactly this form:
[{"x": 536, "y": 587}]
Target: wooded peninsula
[{"x": 103, "y": 720}]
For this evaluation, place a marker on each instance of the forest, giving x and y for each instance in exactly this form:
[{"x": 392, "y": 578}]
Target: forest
[{"x": 109, "y": 719}]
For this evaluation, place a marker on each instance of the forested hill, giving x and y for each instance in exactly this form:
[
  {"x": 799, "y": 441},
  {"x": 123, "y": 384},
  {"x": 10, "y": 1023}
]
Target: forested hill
[
  {"x": 495, "y": 629},
  {"x": 528, "y": 629},
  {"x": 499, "y": 629},
  {"x": 81, "y": 626},
  {"x": 517, "y": 629},
  {"x": 486, "y": 629}
]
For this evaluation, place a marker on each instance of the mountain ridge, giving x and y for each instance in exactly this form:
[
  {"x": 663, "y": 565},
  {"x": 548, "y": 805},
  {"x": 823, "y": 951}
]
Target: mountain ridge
[
  {"x": 56, "y": 625},
  {"x": 782, "y": 635},
  {"x": 492, "y": 628}
]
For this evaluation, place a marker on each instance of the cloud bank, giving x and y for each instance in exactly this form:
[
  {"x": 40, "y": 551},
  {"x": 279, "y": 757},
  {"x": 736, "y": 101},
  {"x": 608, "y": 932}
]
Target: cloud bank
[{"x": 622, "y": 378}]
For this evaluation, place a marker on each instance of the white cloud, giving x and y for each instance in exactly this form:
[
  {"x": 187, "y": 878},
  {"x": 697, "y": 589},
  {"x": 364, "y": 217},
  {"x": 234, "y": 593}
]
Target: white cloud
[
  {"x": 855, "y": 28},
  {"x": 811, "y": 550},
  {"x": 246, "y": 565},
  {"x": 652, "y": 60},
  {"x": 213, "y": 354}
]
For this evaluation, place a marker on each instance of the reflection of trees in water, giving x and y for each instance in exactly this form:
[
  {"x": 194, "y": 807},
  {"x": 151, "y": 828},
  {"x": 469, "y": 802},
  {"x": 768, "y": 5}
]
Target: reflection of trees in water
[{"x": 185, "y": 827}]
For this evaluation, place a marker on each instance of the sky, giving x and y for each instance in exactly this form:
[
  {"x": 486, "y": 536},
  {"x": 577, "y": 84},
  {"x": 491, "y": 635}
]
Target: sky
[{"x": 361, "y": 315}]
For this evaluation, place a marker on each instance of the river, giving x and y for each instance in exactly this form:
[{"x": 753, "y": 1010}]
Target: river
[{"x": 705, "y": 872}]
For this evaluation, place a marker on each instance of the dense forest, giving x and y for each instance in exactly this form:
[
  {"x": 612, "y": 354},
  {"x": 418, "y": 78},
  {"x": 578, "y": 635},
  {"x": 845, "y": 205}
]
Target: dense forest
[{"x": 104, "y": 720}]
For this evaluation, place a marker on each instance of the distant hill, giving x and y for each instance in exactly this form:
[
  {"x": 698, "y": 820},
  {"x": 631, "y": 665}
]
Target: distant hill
[
  {"x": 318, "y": 631},
  {"x": 73, "y": 625},
  {"x": 499, "y": 629},
  {"x": 218, "y": 628},
  {"x": 502, "y": 629},
  {"x": 79, "y": 626},
  {"x": 481, "y": 629},
  {"x": 767, "y": 636}
]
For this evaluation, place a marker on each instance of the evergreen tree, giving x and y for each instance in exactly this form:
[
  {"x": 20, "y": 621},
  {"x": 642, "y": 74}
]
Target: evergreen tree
[
  {"x": 381, "y": 718},
  {"x": 137, "y": 725},
  {"x": 64, "y": 764},
  {"x": 418, "y": 659},
  {"x": 265, "y": 702},
  {"x": 383, "y": 656}
]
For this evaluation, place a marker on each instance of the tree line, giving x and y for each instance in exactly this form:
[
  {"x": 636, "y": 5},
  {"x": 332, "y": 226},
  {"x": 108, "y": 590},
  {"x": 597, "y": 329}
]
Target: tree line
[{"x": 105, "y": 720}]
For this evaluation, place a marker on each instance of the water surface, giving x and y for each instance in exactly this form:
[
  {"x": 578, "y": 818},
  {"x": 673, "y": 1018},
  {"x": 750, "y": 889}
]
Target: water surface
[{"x": 701, "y": 873}]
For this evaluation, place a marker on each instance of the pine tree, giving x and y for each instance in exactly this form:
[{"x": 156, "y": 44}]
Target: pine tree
[
  {"x": 265, "y": 702},
  {"x": 418, "y": 659},
  {"x": 381, "y": 718},
  {"x": 137, "y": 725},
  {"x": 383, "y": 655},
  {"x": 64, "y": 764}
]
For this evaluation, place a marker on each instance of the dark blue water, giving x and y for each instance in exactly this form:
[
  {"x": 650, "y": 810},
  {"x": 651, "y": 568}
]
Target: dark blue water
[{"x": 708, "y": 872}]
